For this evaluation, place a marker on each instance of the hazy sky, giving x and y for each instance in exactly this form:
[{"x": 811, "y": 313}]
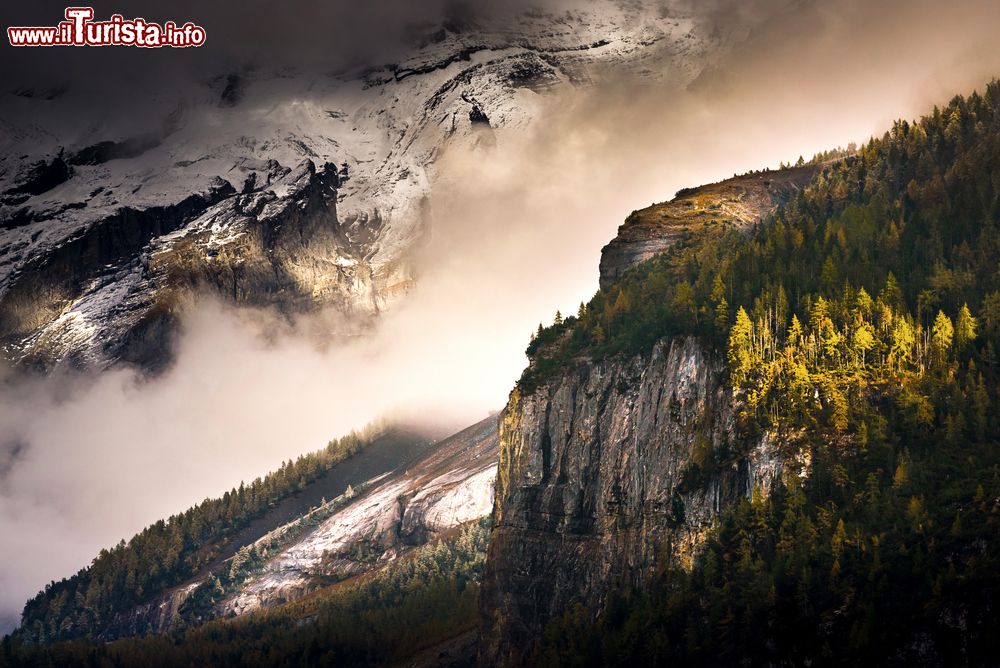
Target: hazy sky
[{"x": 517, "y": 234}]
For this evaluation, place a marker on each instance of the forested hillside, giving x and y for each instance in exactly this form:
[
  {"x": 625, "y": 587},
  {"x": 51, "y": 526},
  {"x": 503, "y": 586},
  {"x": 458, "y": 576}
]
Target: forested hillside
[
  {"x": 861, "y": 323},
  {"x": 410, "y": 606},
  {"x": 169, "y": 552}
]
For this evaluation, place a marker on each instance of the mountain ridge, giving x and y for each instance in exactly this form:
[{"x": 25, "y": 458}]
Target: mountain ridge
[{"x": 764, "y": 440}]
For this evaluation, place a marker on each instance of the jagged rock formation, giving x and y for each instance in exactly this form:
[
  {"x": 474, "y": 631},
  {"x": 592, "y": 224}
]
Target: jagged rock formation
[
  {"x": 104, "y": 233},
  {"x": 740, "y": 201},
  {"x": 589, "y": 489},
  {"x": 276, "y": 244}
]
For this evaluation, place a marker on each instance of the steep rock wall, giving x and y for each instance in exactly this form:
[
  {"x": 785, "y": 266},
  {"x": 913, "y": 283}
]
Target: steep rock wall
[
  {"x": 589, "y": 484},
  {"x": 280, "y": 245}
]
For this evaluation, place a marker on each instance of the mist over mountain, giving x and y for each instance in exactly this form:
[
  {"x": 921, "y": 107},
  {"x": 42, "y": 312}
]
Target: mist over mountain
[{"x": 455, "y": 238}]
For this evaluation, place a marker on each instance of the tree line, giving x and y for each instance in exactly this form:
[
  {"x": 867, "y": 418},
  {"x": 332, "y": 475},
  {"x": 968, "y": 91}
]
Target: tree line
[{"x": 410, "y": 605}]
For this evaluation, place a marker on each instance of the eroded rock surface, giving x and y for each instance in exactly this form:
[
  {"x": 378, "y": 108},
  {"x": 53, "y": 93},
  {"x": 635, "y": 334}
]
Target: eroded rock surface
[{"x": 589, "y": 491}]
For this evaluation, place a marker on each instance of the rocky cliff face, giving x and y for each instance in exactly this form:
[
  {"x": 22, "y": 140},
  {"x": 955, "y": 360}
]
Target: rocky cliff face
[
  {"x": 612, "y": 467},
  {"x": 603, "y": 469},
  {"x": 589, "y": 486}
]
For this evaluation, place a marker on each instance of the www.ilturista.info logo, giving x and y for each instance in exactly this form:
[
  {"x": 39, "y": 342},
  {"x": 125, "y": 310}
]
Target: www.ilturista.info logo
[{"x": 79, "y": 29}]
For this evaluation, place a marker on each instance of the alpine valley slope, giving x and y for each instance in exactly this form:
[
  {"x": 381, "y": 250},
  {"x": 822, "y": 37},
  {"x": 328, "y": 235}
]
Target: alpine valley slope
[
  {"x": 276, "y": 188},
  {"x": 400, "y": 491}
]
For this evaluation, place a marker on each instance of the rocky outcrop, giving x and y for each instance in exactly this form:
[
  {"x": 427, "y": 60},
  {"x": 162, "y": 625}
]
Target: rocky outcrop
[
  {"x": 47, "y": 298},
  {"x": 737, "y": 202},
  {"x": 156, "y": 616},
  {"x": 591, "y": 485},
  {"x": 387, "y": 516},
  {"x": 35, "y": 178}
]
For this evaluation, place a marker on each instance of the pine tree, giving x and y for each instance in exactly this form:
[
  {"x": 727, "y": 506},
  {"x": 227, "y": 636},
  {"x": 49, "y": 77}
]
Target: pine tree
[
  {"x": 794, "y": 331},
  {"x": 942, "y": 334},
  {"x": 965, "y": 328},
  {"x": 718, "y": 289},
  {"x": 828, "y": 277},
  {"x": 863, "y": 303},
  {"x": 892, "y": 294},
  {"x": 722, "y": 315},
  {"x": 740, "y": 349},
  {"x": 818, "y": 315},
  {"x": 863, "y": 341},
  {"x": 903, "y": 340}
]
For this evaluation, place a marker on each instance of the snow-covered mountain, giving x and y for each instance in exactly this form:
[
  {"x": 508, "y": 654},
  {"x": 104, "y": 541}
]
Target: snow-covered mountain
[{"x": 272, "y": 187}]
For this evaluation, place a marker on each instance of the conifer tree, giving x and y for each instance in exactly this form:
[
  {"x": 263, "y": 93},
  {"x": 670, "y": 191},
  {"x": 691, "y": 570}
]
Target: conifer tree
[
  {"x": 942, "y": 334},
  {"x": 965, "y": 328},
  {"x": 903, "y": 340},
  {"x": 794, "y": 331},
  {"x": 721, "y": 315},
  {"x": 740, "y": 349},
  {"x": 892, "y": 294}
]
